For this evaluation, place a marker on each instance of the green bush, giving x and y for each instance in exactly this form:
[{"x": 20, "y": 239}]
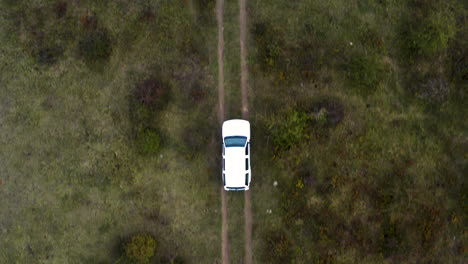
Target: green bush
[
  {"x": 140, "y": 114},
  {"x": 95, "y": 46},
  {"x": 147, "y": 141},
  {"x": 140, "y": 248},
  {"x": 148, "y": 98},
  {"x": 364, "y": 72},
  {"x": 292, "y": 130},
  {"x": 426, "y": 41},
  {"x": 270, "y": 47},
  {"x": 427, "y": 32}
]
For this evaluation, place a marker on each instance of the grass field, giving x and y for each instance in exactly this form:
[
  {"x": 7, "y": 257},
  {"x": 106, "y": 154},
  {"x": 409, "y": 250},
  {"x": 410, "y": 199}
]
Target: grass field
[
  {"x": 359, "y": 110},
  {"x": 108, "y": 129},
  {"x": 88, "y": 156}
]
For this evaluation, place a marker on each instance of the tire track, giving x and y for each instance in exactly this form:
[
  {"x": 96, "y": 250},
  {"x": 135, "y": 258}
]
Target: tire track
[
  {"x": 245, "y": 115},
  {"x": 221, "y": 117}
]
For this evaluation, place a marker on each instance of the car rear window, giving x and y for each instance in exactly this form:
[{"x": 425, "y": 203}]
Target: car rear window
[{"x": 236, "y": 141}]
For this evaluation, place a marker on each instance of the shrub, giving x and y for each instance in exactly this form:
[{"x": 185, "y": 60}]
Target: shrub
[
  {"x": 458, "y": 53},
  {"x": 197, "y": 92},
  {"x": 293, "y": 201},
  {"x": 89, "y": 22},
  {"x": 391, "y": 237},
  {"x": 60, "y": 9},
  {"x": 140, "y": 115},
  {"x": 427, "y": 32},
  {"x": 45, "y": 37},
  {"x": 278, "y": 247},
  {"x": 364, "y": 72},
  {"x": 205, "y": 9},
  {"x": 269, "y": 45},
  {"x": 147, "y": 98},
  {"x": 48, "y": 56},
  {"x": 141, "y": 248},
  {"x": 459, "y": 64},
  {"x": 152, "y": 93},
  {"x": 291, "y": 130},
  {"x": 148, "y": 141},
  {"x": 95, "y": 46}
]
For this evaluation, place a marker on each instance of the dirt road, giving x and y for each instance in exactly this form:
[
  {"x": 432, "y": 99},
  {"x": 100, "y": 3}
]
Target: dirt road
[
  {"x": 221, "y": 116},
  {"x": 245, "y": 115}
]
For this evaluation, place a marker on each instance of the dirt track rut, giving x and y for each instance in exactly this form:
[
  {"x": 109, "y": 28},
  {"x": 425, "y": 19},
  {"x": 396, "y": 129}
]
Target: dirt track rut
[{"x": 221, "y": 116}]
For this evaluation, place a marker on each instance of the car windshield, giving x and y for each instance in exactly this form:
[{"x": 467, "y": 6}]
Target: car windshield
[{"x": 236, "y": 141}]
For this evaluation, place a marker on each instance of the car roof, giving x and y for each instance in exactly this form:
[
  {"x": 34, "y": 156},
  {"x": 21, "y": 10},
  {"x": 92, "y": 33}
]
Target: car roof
[{"x": 234, "y": 166}]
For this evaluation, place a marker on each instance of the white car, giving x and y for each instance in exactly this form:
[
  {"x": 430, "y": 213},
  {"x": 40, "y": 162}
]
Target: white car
[{"x": 236, "y": 155}]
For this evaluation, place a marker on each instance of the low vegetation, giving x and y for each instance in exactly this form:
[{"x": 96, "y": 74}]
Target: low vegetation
[
  {"x": 359, "y": 122},
  {"x": 96, "y": 100},
  {"x": 94, "y": 46},
  {"x": 140, "y": 248},
  {"x": 108, "y": 131}
]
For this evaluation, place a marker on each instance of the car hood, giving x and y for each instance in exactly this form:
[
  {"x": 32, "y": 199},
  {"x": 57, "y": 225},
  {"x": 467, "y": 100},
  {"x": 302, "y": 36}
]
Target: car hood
[{"x": 236, "y": 127}]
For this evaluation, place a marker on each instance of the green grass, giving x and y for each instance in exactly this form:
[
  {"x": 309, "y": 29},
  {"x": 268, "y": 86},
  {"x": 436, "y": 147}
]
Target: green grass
[
  {"x": 77, "y": 182},
  {"x": 385, "y": 183},
  {"x": 232, "y": 60}
]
